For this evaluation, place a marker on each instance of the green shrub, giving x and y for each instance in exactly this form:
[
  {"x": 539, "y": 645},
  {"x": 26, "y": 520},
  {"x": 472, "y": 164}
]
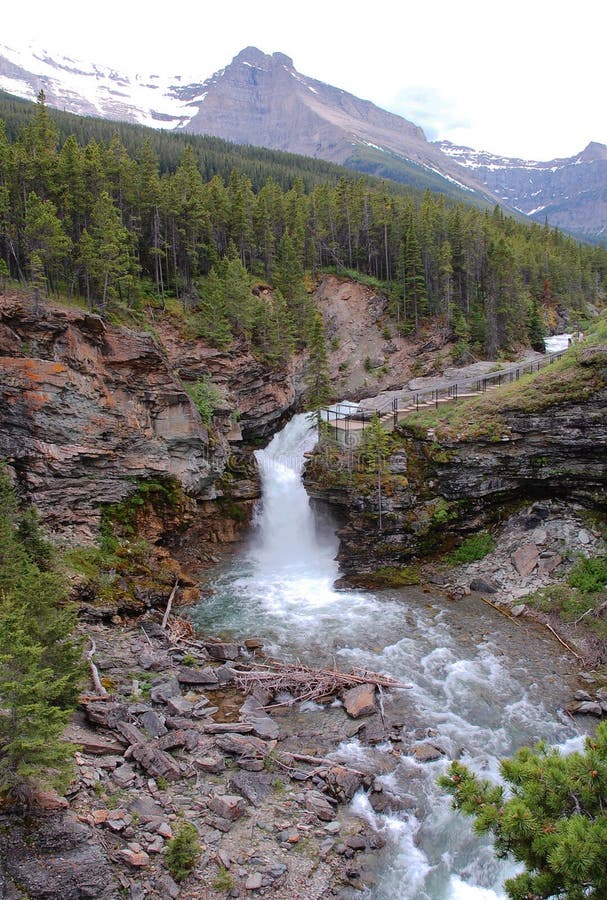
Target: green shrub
[
  {"x": 183, "y": 851},
  {"x": 589, "y": 575},
  {"x": 475, "y": 547},
  {"x": 206, "y": 398},
  {"x": 224, "y": 881}
]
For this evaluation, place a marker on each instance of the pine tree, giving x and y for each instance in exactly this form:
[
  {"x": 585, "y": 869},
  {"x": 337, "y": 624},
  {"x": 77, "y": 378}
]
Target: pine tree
[
  {"x": 375, "y": 446},
  {"x": 554, "y": 820},
  {"x": 211, "y": 320},
  {"x": 106, "y": 252},
  {"x": 318, "y": 383},
  {"x": 45, "y": 235},
  {"x": 39, "y": 661},
  {"x": 535, "y": 327}
]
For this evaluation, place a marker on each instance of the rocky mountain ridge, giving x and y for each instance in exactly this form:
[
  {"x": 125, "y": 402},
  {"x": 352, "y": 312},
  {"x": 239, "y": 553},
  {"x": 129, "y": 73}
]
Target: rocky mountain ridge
[{"x": 570, "y": 193}]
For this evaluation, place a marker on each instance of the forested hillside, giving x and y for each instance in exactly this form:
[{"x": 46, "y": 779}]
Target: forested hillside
[{"x": 90, "y": 217}]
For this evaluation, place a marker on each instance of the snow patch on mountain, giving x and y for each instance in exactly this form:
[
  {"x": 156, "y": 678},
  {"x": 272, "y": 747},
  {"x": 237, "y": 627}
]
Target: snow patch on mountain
[{"x": 86, "y": 88}]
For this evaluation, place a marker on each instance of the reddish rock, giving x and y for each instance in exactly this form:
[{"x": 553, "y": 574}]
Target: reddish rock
[
  {"x": 136, "y": 858},
  {"x": 525, "y": 559},
  {"x": 426, "y": 752},
  {"x": 223, "y": 651},
  {"x": 49, "y": 800},
  {"x": 360, "y": 700},
  {"x": 550, "y": 563},
  {"x": 95, "y": 409},
  {"x": 228, "y": 806}
]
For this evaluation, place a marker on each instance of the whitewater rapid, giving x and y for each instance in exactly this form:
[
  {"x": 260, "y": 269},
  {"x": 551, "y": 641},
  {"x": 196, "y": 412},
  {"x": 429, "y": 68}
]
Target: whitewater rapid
[{"x": 480, "y": 685}]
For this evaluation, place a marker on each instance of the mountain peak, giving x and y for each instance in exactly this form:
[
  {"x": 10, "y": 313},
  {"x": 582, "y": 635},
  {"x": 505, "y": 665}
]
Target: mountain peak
[
  {"x": 593, "y": 151},
  {"x": 253, "y": 56}
]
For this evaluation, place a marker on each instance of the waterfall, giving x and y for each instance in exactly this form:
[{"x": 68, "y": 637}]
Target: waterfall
[
  {"x": 287, "y": 539},
  {"x": 482, "y": 692}
]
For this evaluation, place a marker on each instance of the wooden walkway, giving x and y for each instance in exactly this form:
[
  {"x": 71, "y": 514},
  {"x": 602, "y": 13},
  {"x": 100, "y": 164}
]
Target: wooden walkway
[{"x": 346, "y": 422}]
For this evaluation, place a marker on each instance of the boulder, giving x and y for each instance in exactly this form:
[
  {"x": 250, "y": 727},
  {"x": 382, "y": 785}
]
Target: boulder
[
  {"x": 586, "y": 708},
  {"x": 342, "y": 783},
  {"x": 254, "y": 881},
  {"x": 153, "y": 723},
  {"x": 228, "y": 806},
  {"x": 319, "y": 805},
  {"x": 179, "y": 706},
  {"x": 164, "y": 688},
  {"x": 107, "y": 713},
  {"x": 155, "y": 762},
  {"x": 123, "y": 775},
  {"x": 426, "y": 752},
  {"x": 360, "y": 700},
  {"x": 190, "y": 675},
  {"x": 136, "y": 858},
  {"x": 483, "y": 585}
]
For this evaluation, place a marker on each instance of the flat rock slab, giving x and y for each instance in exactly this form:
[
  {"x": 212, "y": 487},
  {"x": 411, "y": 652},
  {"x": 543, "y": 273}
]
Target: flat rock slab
[
  {"x": 90, "y": 741},
  {"x": 263, "y": 725},
  {"x": 525, "y": 559},
  {"x": 55, "y": 858},
  {"x": 253, "y": 786},
  {"x": 244, "y": 745},
  {"x": 212, "y": 762},
  {"x": 223, "y": 651},
  {"x": 190, "y": 675},
  {"x": 360, "y": 700}
]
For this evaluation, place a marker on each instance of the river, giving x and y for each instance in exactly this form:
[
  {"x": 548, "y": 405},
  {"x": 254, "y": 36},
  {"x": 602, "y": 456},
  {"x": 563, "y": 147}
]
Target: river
[{"x": 481, "y": 684}]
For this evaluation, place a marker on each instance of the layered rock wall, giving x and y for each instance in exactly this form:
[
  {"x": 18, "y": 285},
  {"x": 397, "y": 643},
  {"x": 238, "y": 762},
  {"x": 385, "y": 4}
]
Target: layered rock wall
[
  {"x": 434, "y": 492},
  {"x": 87, "y": 409}
]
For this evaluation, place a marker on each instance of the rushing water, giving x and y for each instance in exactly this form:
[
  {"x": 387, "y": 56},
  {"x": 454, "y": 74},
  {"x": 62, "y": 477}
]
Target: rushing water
[{"x": 484, "y": 685}]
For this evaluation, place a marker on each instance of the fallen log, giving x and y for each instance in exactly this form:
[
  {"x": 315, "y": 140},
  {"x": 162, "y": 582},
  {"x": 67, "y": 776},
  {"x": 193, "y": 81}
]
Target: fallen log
[
  {"x": 503, "y": 612},
  {"x": 561, "y": 641},
  {"x": 167, "y": 611},
  {"x": 99, "y": 688}
]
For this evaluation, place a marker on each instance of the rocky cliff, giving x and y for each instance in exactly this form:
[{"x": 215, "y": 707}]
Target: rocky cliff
[
  {"x": 89, "y": 409},
  {"x": 435, "y": 490}
]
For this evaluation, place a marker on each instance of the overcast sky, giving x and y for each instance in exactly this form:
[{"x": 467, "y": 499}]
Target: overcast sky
[{"x": 521, "y": 78}]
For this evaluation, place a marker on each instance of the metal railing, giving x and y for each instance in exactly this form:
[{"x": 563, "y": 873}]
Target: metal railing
[{"x": 347, "y": 426}]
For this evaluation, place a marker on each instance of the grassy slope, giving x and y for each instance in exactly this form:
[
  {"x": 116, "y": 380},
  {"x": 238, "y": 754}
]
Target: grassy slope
[{"x": 565, "y": 381}]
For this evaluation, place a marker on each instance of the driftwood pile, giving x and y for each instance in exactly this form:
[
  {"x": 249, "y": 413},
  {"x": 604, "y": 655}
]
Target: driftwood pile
[{"x": 303, "y": 683}]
